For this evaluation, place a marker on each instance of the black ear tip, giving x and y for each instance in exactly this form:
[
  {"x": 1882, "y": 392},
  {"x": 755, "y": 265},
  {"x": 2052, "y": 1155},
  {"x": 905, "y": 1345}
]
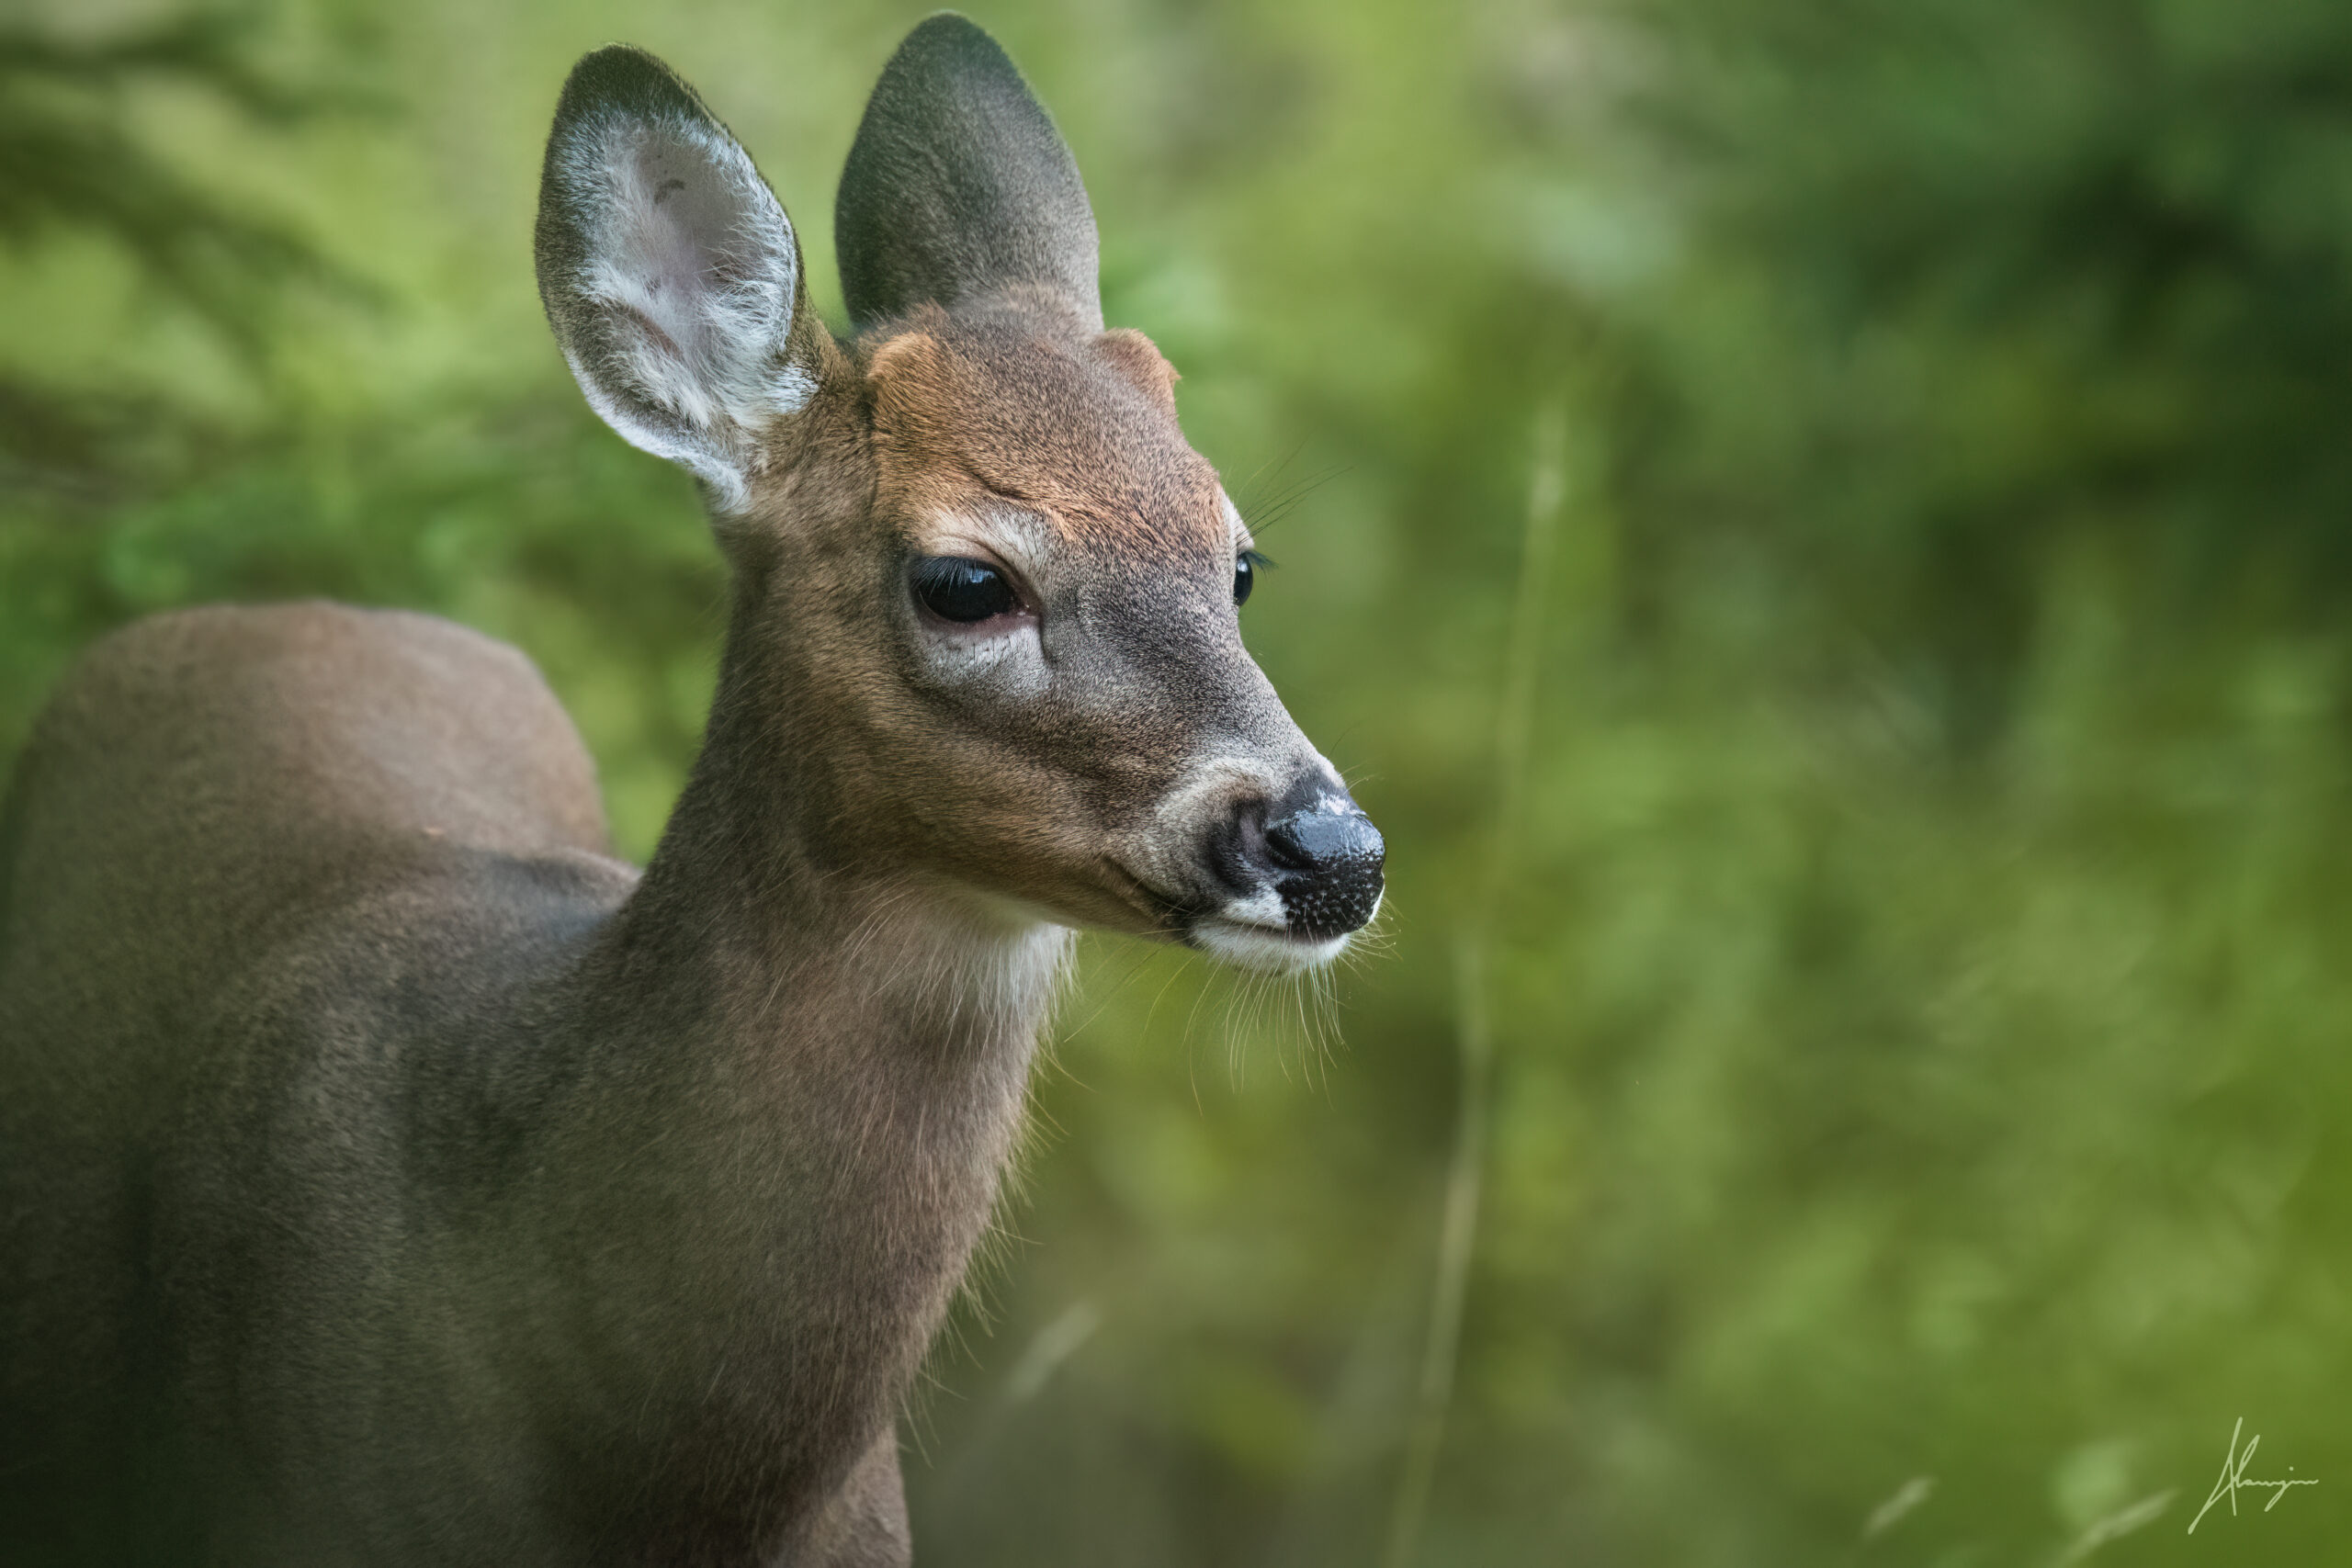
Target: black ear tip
[
  {"x": 949, "y": 40},
  {"x": 940, "y": 27},
  {"x": 618, "y": 66},
  {"x": 620, "y": 57},
  {"x": 622, "y": 75}
]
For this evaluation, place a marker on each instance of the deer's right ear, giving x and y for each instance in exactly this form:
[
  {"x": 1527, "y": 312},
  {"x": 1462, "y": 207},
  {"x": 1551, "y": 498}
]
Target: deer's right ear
[{"x": 669, "y": 272}]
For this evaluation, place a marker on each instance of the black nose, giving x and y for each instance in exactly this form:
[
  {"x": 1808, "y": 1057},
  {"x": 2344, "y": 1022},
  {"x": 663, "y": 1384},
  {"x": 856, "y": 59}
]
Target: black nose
[{"x": 1328, "y": 858}]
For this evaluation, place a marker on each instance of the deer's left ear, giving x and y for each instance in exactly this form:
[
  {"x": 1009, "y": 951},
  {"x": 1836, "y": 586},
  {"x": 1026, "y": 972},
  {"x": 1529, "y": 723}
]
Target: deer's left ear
[{"x": 669, "y": 274}]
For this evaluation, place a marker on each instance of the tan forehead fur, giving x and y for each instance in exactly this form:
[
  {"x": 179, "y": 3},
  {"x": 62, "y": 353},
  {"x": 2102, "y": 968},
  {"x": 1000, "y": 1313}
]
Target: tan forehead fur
[{"x": 1080, "y": 429}]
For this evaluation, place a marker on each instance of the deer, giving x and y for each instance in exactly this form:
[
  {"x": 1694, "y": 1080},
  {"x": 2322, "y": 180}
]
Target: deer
[{"x": 388, "y": 1174}]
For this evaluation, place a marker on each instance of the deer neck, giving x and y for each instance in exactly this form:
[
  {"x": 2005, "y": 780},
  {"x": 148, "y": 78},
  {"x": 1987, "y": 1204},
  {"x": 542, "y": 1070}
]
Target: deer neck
[
  {"x": 810, "y": 1079},
  {"x": 801, "y": 949}
]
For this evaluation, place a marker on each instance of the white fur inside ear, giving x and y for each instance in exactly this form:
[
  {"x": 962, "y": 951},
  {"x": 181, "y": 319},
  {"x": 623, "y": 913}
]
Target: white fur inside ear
[{"x": 691, "y": 275}]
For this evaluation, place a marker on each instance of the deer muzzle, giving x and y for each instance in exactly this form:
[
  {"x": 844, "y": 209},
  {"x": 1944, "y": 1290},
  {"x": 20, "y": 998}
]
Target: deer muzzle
[{"x": 1298, "y": 874}]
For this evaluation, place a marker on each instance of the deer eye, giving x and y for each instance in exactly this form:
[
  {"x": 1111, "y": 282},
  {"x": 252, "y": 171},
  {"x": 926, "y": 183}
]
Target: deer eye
[
  {"x": 958, "y": 589},
  {"x": 1245, "y": 574}
]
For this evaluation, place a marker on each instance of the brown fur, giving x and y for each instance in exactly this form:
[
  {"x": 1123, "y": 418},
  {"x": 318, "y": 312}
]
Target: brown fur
[{"x": 1079, "y": 428}]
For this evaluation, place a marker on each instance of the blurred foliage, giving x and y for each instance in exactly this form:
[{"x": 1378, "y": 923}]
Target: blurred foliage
[
  {"x": 1919, "y": 1006},
  {"x": 68, "y": 168}
]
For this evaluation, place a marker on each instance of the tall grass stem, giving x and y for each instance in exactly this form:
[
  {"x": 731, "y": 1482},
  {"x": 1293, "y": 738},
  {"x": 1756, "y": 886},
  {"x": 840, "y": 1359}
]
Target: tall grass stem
[{"x": 1474, "y": 1038}]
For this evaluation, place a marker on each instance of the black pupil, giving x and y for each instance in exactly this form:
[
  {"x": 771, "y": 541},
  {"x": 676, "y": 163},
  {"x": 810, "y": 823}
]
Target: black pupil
[
  {"x": 957, "y": 588},
  {"x": 1245, "y": 577}
]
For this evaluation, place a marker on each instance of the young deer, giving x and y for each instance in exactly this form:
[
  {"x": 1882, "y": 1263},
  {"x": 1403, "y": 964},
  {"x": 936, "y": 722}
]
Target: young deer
[{"x": 390, "y": 1175}]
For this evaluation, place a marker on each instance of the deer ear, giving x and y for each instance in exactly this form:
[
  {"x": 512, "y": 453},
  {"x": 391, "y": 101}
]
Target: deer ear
[
  {"x": 959, "y": 186},
  {"x": 669, "y": 274}
]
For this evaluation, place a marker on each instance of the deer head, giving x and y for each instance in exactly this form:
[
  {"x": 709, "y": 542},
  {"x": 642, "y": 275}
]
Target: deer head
[{"x": 985, "y": 593}]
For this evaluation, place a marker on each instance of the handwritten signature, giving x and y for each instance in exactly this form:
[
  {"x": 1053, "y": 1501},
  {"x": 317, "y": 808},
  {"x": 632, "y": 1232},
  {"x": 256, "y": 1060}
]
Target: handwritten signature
[{"x": 2233, "y": 1476}]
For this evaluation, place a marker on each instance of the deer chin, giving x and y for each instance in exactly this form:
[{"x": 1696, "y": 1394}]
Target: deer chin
[{"x": 1260, "y": 945}]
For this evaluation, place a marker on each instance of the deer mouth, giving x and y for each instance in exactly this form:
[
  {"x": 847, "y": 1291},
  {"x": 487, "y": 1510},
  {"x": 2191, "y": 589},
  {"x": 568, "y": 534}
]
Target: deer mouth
[
  {"x": 1275, "y": 948},
  {"x": 1255, "y": 931}
]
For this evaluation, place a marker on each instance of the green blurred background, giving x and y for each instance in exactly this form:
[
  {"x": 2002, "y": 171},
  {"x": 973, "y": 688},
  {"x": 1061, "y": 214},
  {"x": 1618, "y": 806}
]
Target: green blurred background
[{"x": 1913, "y": 441}]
